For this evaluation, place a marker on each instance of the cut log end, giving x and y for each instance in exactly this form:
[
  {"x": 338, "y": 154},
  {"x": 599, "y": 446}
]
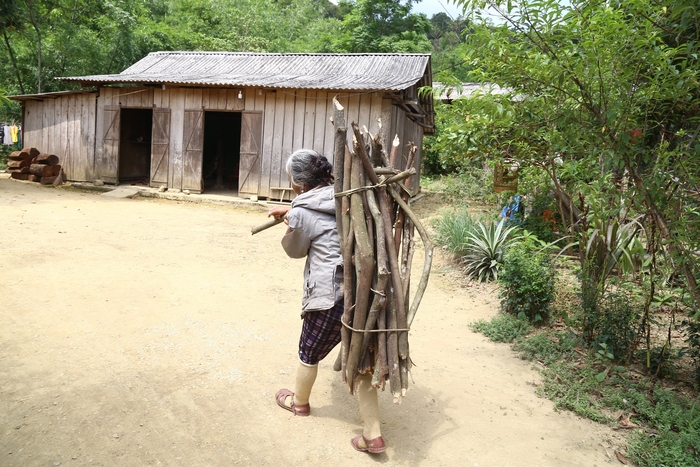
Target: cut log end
[
  {"x": 41, "y": 170},
  {"x": 19, "y": 176},
  {"x": 48, "y": 159}
]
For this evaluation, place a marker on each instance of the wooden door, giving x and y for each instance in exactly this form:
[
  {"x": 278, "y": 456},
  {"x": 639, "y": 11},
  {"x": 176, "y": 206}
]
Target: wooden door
[
  {"x": 160, "y": 147},
  {"x": 108, "y": 169},
  {"x": 193, "y": 149},
  {"x": 251, "y": 152}
]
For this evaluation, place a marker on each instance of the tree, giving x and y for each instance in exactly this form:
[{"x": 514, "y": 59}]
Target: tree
[
  {"x": 9, "y": 19},
  {"x": 599, "y": 91},
  {"x": 382, "y": 26}
]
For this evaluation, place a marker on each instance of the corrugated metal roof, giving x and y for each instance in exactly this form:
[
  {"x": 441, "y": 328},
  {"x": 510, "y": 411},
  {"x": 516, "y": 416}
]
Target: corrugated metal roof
[{"x": 351, "y": 72}]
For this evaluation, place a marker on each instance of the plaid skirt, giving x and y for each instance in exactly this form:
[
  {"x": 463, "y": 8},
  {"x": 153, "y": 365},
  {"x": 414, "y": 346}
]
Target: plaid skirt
[{"x": 320, "y": 333}]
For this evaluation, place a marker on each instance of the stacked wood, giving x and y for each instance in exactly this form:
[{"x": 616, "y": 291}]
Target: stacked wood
[
  {"x": 33, "y": 165},
  {"x": 376, "y": 231}
]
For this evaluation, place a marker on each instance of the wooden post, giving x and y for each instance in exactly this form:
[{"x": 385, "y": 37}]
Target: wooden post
[{"x": 339, "y": 162}]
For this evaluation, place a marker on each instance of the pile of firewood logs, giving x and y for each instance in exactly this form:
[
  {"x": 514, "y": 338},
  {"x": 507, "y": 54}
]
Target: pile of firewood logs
[
  {"x": 376, "y": 230},
  {"x": 33, "y": 165}
]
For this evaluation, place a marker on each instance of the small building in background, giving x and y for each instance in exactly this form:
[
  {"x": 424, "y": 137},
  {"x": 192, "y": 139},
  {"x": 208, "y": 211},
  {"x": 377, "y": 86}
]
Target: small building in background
[{"x": 205, "y": 121}]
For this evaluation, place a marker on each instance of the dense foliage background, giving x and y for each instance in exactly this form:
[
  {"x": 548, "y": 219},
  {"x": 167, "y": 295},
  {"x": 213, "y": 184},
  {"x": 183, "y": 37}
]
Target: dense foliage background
[{"x": 45, "y": 39}]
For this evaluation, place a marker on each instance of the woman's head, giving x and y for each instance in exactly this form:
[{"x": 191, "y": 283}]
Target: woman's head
[{"x": 307, "y": 169}]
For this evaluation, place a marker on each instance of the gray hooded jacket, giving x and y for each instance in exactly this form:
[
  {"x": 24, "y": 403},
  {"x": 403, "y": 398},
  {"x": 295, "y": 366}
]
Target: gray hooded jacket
[{"x": 314, "y": 235}]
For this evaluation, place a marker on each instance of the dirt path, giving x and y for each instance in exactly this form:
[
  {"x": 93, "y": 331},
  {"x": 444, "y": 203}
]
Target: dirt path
[{"x": 144, "y": 332}]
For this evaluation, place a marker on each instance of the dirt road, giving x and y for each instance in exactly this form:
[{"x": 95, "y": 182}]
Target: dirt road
[{"x": 149, "y": 332}]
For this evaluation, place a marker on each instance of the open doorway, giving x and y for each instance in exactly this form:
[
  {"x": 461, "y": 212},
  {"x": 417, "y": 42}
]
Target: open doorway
[
  {"x": 135, "y": 145},
  {"x": 222, "y": 151}
]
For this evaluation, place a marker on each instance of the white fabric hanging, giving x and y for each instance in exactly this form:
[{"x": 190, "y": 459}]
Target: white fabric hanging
[{"x": 7, "y": 140}]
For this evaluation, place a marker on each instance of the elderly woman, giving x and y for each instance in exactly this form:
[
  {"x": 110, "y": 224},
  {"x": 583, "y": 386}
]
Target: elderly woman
[{"x": 312, "y": 233}]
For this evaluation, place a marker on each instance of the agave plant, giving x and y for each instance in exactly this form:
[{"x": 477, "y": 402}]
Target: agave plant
[{"x": 484, "y": 248}]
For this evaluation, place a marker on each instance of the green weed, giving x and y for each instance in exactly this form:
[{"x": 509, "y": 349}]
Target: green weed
[
  {"x": 546, "y": 347},
  {"x": 503, "y": 328}
]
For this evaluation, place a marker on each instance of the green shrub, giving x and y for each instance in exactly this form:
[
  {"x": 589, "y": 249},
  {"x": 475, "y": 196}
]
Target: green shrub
[
  {"x": 502, "y": 328},
  {"x": 617, "y": 324},
  {"x": 527, "y": 282}
]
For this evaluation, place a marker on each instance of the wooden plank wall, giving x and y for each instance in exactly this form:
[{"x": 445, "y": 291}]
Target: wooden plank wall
[
  {"x": 295, "y": 119},
  {"x": 73, "y": 127},
  {"x": 64, "y": 126}
]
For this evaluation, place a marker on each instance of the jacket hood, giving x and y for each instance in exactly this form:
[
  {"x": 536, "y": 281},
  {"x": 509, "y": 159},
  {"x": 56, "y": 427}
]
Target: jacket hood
[{"x": 319, "y": 199}]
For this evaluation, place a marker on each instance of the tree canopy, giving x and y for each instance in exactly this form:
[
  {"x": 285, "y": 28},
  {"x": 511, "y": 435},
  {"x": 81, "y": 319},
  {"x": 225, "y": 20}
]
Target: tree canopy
[
  {"x": 604, "y": 99},
  {"x": 45, "y": 39}
]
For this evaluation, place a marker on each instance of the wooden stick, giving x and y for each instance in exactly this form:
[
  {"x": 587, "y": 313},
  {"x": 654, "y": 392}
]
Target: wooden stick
[
  {"x": 385, "y": 182},
  {"x": 339, "y": 162},
  {"x": 403, "y": 371},
  {"x": 394, "y": 151},
  {"x": 338, "y": 174},
  {"x": 392, "y": 349},
  {"x": 427, "y": 245},
  {"x": 348, "y": 271},
  {"x": 267, "y": 225},
  {"x": 364, "y": 267},
  {"x": 382, "y": 362},
  {"x": 408, "y": 245},
  {"x": 379, "y": 300}
]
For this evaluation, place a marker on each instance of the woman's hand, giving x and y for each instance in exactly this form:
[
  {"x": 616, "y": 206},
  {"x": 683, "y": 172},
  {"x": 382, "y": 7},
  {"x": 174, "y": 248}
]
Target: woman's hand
[{"x": 278, "y": 212}]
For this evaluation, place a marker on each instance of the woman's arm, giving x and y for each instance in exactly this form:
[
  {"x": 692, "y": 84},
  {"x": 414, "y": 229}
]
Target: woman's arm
[{"x": 278, "y": 212}]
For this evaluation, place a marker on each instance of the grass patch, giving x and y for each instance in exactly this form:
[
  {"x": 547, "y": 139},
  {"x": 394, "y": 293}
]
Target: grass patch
[
  {"x": 451, "y": 230},
  {"x": 502, "y": 328},
  {"x": 546, "y": 347},
  {"x": 665, "y": 430}
]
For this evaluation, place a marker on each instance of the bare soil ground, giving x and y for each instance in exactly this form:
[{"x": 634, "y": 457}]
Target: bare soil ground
[{"x": 150, "y": 332}]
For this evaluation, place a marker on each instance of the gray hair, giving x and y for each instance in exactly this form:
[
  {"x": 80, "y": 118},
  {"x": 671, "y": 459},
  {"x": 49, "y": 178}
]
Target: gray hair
[{"x": 310, "y": 168}]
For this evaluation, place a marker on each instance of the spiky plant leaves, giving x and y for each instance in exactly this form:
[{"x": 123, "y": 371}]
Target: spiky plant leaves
[{"x": 484, "y": 249}]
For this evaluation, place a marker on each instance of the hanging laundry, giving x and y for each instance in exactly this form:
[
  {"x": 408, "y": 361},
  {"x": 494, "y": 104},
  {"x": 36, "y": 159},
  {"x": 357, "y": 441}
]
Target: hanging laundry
[
  {"x": 13, "y": 133},
  {"x": 7, "y": 140}
]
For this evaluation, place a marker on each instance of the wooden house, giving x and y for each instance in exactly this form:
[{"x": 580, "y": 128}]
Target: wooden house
[{"x": 201, "y": 121}]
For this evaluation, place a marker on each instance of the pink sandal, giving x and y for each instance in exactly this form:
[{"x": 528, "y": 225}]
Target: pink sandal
[
  {"x": 303, "y": 410},
  {"x": 373, "y": 446}
]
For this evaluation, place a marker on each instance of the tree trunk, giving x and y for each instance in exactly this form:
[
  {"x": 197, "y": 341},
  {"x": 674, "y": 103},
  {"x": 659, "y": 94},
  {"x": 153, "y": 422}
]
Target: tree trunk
[{"x": 14, "y": 62}]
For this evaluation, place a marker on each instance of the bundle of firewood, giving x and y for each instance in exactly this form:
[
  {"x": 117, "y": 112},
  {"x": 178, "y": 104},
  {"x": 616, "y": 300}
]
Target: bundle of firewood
[
  {"x": 376, "y": 230},
  {"x": 33, "y": 165}
]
